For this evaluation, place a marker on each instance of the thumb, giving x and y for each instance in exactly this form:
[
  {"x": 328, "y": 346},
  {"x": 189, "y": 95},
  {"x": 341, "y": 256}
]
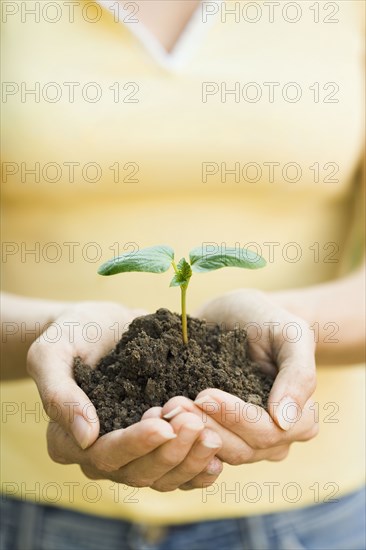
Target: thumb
[
  {"x": 50, "y": 365},
  {"x": 295, "y": 382}
]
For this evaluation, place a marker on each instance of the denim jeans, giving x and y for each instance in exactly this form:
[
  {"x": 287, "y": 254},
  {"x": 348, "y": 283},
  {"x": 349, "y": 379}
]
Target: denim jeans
[{"x": 331, "y": 526}]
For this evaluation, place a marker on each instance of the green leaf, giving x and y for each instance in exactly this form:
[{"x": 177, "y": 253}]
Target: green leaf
[
  {"x": 211, "y": 258},
  {"x": 184, "y": 273},
  {"x": 156, "y": 259}
]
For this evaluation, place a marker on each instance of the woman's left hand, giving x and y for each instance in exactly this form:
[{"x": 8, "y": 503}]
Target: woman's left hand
[{"x": 283, "y": 345}]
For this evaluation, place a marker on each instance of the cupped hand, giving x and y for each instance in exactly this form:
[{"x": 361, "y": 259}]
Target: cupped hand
[
  {"x": 152, "y": 452},
  {"x": 283, "y": 345}
]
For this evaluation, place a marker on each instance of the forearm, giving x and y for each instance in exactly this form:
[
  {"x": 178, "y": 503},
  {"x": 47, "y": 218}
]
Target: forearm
[
  {"x": 336, "y": 312},
  {"x": 22, "y": 321}
]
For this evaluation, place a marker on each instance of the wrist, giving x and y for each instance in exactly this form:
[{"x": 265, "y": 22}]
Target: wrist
[
  {"x": 299, "y": 302},
  {"x": 23, "y": 320}
]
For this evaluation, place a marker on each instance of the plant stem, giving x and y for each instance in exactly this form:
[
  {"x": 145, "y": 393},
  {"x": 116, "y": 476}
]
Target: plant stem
[{"x": 183, "y": 289}]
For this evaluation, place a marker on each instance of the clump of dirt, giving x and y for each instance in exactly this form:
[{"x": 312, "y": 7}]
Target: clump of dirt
[{"x": 150, "y": 364}]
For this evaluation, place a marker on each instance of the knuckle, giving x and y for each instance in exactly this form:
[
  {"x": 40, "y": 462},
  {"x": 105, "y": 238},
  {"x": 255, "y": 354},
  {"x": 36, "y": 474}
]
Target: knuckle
[
  {"x": 228, "y": 422},
  {"x": 55, "y": 455},
  {"x": 99, "y": 464},
  {"x": 309, "y": 380},
  {"x": 280, "y": 455},
  {"x": 242, "y": 456},
  {"x": 90, "y": 473},
  {"x": 314, "y": 430},
  {"x": 168, "y": 462},
  {"x": 134, "y": 482},
  {"x": 310, "y": 434},
  {"x": 35, "y": 356},
  {"x": 31, "y": 361},
  {"x": 202, "y": 482},
  {"x": 189, "y": 469},
  {"x": 266, "y": 440},
  {"x": 55, "y": 444},
  {"x": 234, "y": 459}
]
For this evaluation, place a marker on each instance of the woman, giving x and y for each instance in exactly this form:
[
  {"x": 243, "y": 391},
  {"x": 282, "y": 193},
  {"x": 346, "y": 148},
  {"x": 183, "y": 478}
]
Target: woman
[{"x": 184, "y": 123}]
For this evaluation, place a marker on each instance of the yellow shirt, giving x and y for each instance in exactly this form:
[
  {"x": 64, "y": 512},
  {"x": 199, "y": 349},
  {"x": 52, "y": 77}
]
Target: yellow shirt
[{"x": 145, "y": 163}]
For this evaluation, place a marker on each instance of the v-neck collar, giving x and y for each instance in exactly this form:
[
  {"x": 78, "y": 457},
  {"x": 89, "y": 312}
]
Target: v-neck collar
[{"x": 185, "y": 45}]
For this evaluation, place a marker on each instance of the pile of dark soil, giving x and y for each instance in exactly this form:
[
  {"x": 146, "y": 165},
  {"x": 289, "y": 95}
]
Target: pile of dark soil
[{"x": 150, "y": 364}]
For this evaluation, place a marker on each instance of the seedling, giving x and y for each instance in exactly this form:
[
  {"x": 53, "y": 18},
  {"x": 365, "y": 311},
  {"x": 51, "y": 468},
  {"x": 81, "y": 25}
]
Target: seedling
[{"x": 158, "y": 259}]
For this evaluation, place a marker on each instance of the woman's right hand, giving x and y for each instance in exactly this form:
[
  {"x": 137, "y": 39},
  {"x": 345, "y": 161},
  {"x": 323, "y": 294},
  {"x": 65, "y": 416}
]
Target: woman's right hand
[{"x": 151, "y": 453}]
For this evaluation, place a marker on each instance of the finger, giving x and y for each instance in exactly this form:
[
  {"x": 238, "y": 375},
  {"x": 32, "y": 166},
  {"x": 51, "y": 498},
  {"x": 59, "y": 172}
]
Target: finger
[
  {"x": 65, "y": 403},
  {"x": 206, "y": 446},
  {"x": 177, "y": 405},
  {"x": 206, "y": 478},
  {"x": 51, "y": 366},
  {"x": 235, "y": 450},
  {"x": 153, "y": 466},
  {"x": 120, "y": 447},
  {"x": 296, "y": 379},
  {"x": 154, "y": 412},
  {"x": 249, "y": 422},
  {"x": 62, "y": 447},
  {"x": 113, "y": 450},
  {"x": 247, "y": 445}
]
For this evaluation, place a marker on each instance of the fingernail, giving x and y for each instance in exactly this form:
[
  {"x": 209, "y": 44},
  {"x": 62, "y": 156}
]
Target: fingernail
[
  {"x": 188, "y": 430},
  {"x": 204, "y": 399},
  {"x": 208, "y": 405},
  {"x": 81, "y": 431},
  {"x": 211, "y": 444},
  {"x": 287, "y": 413},
  {"x": 167, "y": 434},
  {"x": 193, "y": 426},
  {"x": 173, "y": 413},
  {"x": 214, "y": 467}
]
